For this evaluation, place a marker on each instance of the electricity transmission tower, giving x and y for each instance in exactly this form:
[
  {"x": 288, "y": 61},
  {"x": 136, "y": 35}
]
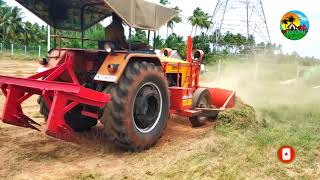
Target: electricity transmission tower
[{"x": 246, "y": 17}]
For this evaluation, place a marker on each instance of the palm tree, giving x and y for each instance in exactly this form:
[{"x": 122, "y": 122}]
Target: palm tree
[
  {"x": 164, "y": 2},
  {"x": 291, "y": 19},
  {"x": 176, "y": 42},
  {"x": 159, "y": 42},
  {"x": 14, "y": 24},
  {"x": 205, "y": 22},
  {"x": 1, "y": 3},
  {"x": 285, "y": 22},
  {"x": 28, "y": 33},
  {"x": 196, "y": 20},
  {"x": 175, "y": 20},
  {"x": 5, "y": 13}
]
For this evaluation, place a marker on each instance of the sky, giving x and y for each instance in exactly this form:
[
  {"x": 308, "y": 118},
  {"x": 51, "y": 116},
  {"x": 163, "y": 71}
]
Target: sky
[{"x": 274, "y": 10}]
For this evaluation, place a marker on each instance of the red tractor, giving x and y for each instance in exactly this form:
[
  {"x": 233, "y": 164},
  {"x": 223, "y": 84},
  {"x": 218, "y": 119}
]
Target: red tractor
[{"x": 130, "y": 92}]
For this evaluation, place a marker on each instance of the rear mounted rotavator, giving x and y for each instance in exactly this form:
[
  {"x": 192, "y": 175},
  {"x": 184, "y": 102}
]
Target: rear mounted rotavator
[{"x": 196, "y": 102}]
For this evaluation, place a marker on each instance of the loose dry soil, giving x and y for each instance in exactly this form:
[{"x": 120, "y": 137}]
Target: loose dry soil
[{"x": 29, "y": 154}]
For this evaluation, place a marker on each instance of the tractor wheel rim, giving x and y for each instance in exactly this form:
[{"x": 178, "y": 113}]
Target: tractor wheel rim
[{"x": 147, "y": 107}]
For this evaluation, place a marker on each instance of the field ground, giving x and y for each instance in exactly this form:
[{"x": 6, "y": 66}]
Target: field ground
[{"x": 287, "y": 115}]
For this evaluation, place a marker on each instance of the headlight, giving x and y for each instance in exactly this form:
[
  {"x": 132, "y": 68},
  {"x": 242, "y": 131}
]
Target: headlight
[
  {"x": 108, "y": 47},
  {"x": 197, "y": 55},
  {"x": 166, "y": 52}
]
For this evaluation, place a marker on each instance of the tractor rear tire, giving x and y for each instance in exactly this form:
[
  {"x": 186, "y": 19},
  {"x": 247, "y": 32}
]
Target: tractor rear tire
[
  {"x": 138, "y": 112},
  {"x": 44, "y": 110},
  {"x": 201, "y": 99},
  {"x": 74, "y": 119}
]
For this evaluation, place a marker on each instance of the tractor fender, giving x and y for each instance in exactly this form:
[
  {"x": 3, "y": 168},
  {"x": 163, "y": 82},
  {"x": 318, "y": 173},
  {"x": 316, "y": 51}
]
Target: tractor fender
[{"x": 115, "y": 64}]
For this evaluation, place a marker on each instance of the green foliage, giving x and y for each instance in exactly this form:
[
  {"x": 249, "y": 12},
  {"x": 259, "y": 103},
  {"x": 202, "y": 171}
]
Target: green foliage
[
  {"x": 216, "y": 45},
  {"x": 159, "y": 42},
  {"x": 164, "y": 2},
  {"x": 139, "y": 36},
  {"x": 199, "y": 19},
  {"x": 13, "y": 30},
  {"x": 295, "y": 34},
  {"x": 241, "y": 117},
  {"x": 176, "y": 42}
]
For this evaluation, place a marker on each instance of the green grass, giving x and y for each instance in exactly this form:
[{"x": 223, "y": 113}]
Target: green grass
[
  {"x": 286, "y": 115},
  {"x": 19, "y": 56},
  {"x": 252, "y": 152},
  {"x": 295, "y": 35}
]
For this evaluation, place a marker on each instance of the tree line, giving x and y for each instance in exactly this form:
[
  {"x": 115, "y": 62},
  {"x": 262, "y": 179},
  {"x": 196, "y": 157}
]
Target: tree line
[{"x": 14, "y": 30}]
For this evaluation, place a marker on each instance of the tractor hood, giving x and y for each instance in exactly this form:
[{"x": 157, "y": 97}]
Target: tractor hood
[{"x": 79, "y": 15}]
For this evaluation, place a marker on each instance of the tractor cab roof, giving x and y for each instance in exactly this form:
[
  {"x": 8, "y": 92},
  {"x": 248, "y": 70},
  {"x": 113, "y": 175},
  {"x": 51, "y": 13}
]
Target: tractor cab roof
[{"x": 79, "y": 15}]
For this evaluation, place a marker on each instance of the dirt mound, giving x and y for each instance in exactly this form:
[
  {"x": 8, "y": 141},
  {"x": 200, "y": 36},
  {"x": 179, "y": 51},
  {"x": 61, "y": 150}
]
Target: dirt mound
[{"x": 240, "y": 117}]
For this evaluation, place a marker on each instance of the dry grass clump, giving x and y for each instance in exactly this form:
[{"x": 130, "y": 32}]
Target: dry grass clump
[{"x": 240, "y": 117}]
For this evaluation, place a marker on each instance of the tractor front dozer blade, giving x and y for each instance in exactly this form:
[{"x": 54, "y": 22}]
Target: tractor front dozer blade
[{"x": 60, "y": 97}]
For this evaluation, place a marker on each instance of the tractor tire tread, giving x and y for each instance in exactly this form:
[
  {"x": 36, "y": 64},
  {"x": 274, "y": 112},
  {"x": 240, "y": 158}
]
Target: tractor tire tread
[{"x": 114, "y": 111}]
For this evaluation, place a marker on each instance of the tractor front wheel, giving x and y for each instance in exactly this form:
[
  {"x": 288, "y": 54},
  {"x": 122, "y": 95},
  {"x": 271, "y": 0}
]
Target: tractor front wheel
[{"x": 137, "y": 114}]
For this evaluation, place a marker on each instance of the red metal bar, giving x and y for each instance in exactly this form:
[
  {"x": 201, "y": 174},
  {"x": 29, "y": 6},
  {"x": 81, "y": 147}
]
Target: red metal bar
[
  {"x": 90, "y": 114},
  {"x": 189, "y": 49},
  {"x": 178, "y": 75},
  {"x": 56, "y": 73},
  {"x": 191, "y": 76},
  {"x": 197, "y": 76},
  {"x": 23, "y": 98},
  {"x": 65, "y": 95},
  {"x": 47, "y": 100},
  {"x": 70, "y": 106},
  {"x": 73, "y": 76},
  {"x": 44, "y": 73},
  {"x": 56, "y": 125},
  {"x": 4, "y": 89},
  {"x": 40, "y": 84}
]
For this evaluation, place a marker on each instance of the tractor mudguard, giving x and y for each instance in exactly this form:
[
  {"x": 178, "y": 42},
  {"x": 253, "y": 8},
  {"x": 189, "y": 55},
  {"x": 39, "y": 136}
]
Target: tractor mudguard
[{"x": 114, "y": 65}]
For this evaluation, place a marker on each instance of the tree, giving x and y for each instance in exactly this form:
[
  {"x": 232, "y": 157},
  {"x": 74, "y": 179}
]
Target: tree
[
  {"x": 205, "y": 23},
  {"x": 14, "y": 25},
  {"x": 202, "y": 42},
  {"x": 5, "y": 13},
  {"x": 164, "y": 2},
  {"x": 175, "y": 20},
  {"x": 176, "y": 42},
  {"x": 2, "y": 4},
  {"x": 28, "y": 33},
  {"x": 291, "y": 19},
  {"x": 159, "y": 42},
  {"x": 198, "y": 19},
  {"x": 285, "y": 22},
  {"x": 139, "y": 36}
]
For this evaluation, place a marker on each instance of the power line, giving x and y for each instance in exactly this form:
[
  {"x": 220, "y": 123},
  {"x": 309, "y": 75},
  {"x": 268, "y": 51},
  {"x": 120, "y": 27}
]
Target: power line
[{"x": 246, "y": 17}]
